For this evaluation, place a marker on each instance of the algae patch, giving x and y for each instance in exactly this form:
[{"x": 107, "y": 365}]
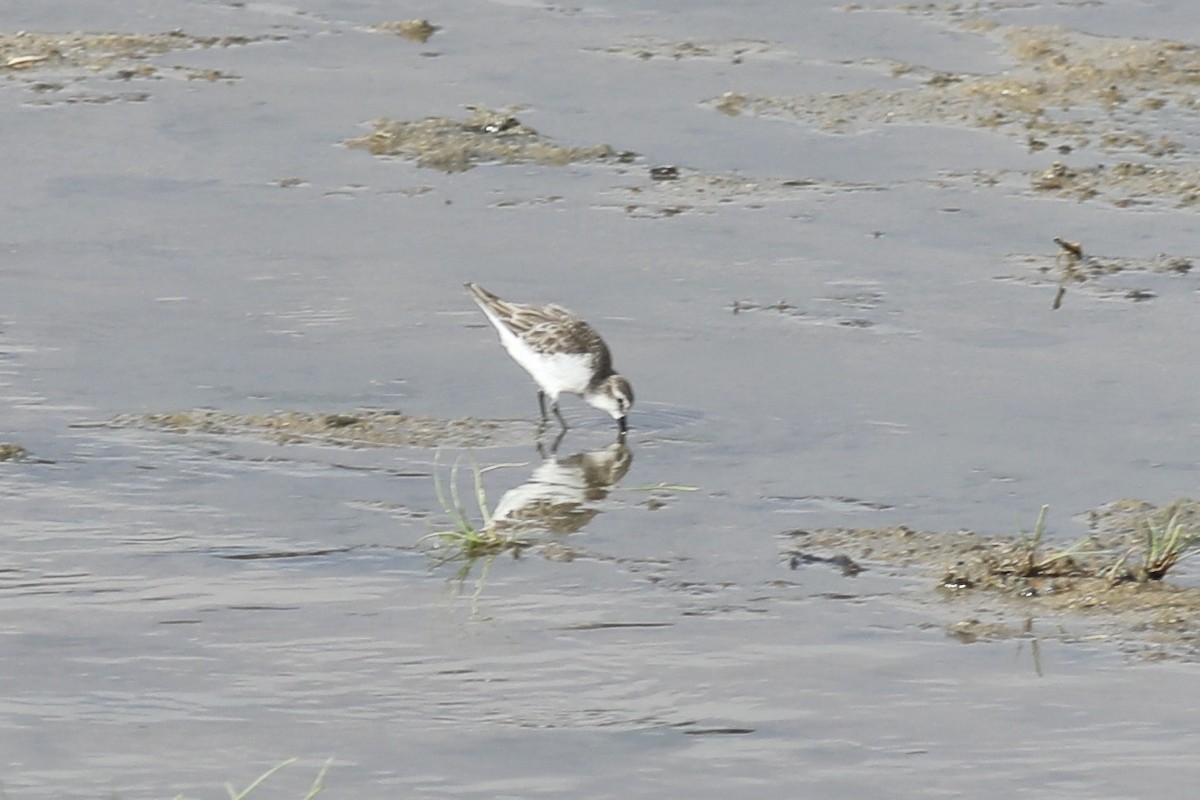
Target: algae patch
[
  {"x": 487, "y": 136},
  {"x": 11, "y": 452},
  {"x": 415, "y": 30},
  {"x": 673, "y": 190},
  {"x": 1056, "y": 74},
  {"x": 368, "y": 428}
]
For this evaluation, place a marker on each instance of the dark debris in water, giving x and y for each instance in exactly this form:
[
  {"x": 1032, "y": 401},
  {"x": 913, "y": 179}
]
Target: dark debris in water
[
  {"x": 1071, "y": 266},
  {"x": 369, "y": 428},
  {"x": 487, "y": 136},
  {"x": 735, "y": 51},
  {"x": 847, "y": 565},
  {"x": 287, "y": 554},
  {"x": 724, "y": 731},
  {"x": 859, "y": 309}
]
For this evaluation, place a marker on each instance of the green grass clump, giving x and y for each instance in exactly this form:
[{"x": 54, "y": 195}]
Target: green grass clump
[
  {"x": 468, "y": 540},
  {"x": 1031, "y": 563},
  {"x": 1157, "y": 544},
  {"x": 1163, "y": 540},
  {"x": 1166, "y": 544},
  {"x": 1167, "y": 538}
]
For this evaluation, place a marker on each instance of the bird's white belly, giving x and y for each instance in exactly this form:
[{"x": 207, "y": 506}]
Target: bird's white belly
[{"x": 553, "y": 372}]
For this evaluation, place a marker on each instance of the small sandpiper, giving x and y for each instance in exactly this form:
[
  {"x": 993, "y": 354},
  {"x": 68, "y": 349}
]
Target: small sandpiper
[{"x": 561, "y": 352}]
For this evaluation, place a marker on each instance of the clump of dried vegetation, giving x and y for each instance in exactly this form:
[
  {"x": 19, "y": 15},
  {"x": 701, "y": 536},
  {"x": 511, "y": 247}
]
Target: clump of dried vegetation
[
  {"x": 487, "y": 136},
  {"x": 1153, "y": 545}
]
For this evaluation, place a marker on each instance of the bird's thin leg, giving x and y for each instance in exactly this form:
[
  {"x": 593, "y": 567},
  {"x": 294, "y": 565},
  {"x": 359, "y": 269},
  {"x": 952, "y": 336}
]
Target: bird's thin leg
[
  {"x": 557, "y": 441},
  {"x": 558, "y": 414},
  {"x": 542, "y": 405}
]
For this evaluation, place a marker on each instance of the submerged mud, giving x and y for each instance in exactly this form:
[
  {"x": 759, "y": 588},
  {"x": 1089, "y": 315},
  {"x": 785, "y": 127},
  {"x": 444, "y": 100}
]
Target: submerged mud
[
  {"x": 368, "y": 428},
  {"x": 1065, "y": 91},
  {"x": 49, "y": 62},
  {"x": 1098, "y": 582}
]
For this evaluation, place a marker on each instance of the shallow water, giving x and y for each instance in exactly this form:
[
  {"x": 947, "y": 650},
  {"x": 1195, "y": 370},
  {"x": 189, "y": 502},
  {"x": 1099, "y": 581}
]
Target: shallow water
[{"x": 180, "y": 610}]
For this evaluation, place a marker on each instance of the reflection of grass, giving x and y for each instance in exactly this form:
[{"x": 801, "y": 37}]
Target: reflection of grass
[
  {"x": 317, "y": 785},
  {"x": 468, "y": 540}
]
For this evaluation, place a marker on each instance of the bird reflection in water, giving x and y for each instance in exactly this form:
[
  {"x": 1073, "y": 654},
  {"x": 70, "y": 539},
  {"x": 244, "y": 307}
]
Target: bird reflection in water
[{"x": 563, "y": 494}]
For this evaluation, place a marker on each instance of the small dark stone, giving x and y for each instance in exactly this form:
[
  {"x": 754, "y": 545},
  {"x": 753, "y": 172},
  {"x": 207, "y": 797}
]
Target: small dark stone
[{"x": 849, "y": 566}]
